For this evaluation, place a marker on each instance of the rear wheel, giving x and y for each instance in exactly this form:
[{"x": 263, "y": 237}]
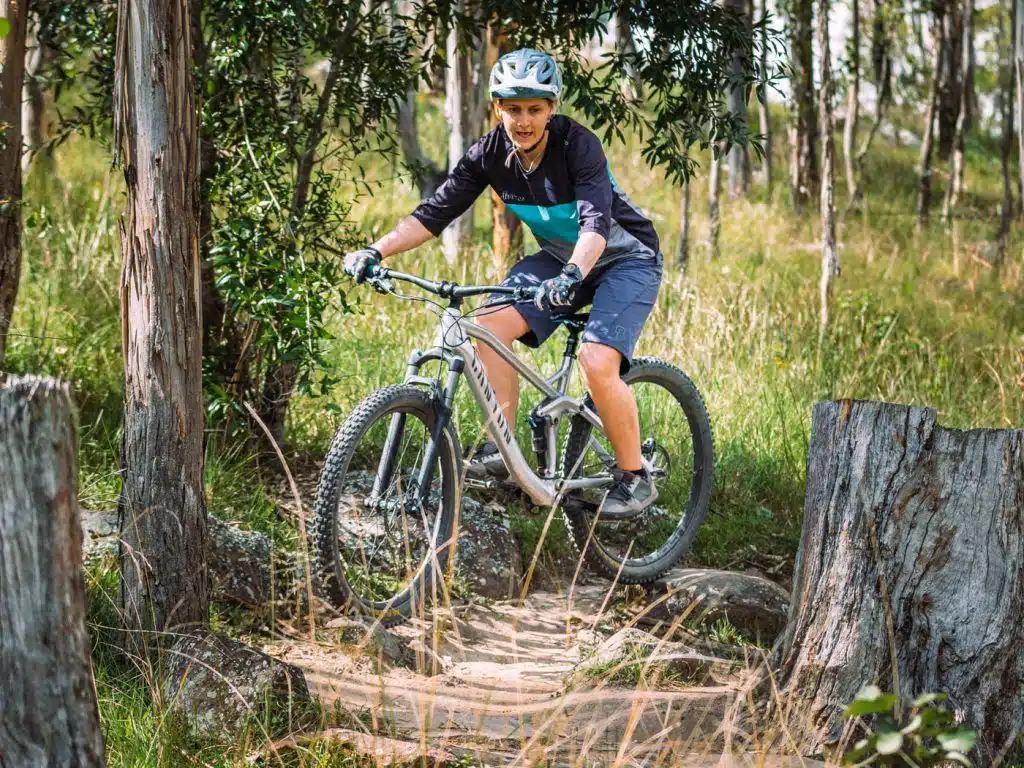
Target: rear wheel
[
  {"x": 676, "y": 440},
  {"x": 381, "y": 548}
]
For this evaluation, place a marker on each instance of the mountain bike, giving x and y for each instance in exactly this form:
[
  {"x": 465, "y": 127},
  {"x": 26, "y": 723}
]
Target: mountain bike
[{"x": 385, "y": 522}]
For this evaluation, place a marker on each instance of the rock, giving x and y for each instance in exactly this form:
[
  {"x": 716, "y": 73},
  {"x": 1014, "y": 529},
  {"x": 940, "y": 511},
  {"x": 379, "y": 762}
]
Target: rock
[
  {"x": 386, "y": 646},
  {"x": 630, "y": 651},
  {"x": 99, "y": 532},
  {"x": 488, "y": 554},
  {"x": 238, "y": 563},
  {"x": 218, "y": 687},
  {"x": 753, "y": 605}
]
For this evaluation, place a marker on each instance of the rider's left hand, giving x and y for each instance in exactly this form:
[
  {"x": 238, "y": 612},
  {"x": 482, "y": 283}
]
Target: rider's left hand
[
  {"x": 560, "y": 291},
  {"x": 358, "y": 263}
]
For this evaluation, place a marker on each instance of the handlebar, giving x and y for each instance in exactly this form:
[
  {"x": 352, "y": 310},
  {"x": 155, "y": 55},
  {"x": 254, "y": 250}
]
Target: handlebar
[{"x": 378, "y": 277}]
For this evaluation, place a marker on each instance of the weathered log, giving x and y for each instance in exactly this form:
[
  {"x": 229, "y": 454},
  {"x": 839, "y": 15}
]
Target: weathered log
[
  {"x": 48, "y": 711},
  {"x": 910, "y": 572}
]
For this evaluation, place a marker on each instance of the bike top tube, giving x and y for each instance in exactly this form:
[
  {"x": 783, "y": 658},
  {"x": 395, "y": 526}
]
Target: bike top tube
[{"x": 449, "y": 290}]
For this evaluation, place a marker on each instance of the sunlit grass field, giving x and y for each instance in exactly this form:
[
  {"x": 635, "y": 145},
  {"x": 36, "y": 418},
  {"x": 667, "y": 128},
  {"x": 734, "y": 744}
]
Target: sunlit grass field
[
  {"x": 912, "y": 323},
  {"x": 907, "y": 326}
]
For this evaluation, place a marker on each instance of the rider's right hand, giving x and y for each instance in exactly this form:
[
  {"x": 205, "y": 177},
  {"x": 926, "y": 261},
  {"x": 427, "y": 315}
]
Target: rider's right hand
[{"x": 358, "y": 264}]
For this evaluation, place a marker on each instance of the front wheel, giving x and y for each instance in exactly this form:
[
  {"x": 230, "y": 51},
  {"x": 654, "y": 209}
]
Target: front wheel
[
  {"x": 381, "y": 544},
  {"x": 677, "y": 442}
]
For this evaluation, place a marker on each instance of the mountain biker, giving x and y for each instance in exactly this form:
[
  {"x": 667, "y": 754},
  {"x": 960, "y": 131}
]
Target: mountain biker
[{"x": 597, "y": 247}]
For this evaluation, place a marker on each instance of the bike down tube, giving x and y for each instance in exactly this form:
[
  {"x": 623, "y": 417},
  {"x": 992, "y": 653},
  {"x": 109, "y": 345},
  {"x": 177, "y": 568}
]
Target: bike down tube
[{"x": 455, "y": 335}]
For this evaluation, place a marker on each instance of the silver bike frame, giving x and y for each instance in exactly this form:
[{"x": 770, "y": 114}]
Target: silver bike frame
[{"x": 455, "y": 336}]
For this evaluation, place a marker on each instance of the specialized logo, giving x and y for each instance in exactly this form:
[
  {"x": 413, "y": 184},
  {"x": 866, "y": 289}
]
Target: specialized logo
[{"x": 493, "y": 406}]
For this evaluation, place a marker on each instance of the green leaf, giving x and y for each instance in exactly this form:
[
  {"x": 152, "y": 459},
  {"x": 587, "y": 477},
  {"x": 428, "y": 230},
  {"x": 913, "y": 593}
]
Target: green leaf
[
  {"x": 870, "y": 701},
  {"x": 5, "y": 28},
  {"x": 915, "y": 723},
  {"x": 889, "y": 743},
  {"x": 927, "y": 698},
  {"x": 961, "y": 740}
]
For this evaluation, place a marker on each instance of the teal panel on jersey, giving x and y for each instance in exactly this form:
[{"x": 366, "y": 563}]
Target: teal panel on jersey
[{"x": 552, "y": 222}]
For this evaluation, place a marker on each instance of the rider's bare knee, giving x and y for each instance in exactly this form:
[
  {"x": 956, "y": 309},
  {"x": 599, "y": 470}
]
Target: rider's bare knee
[{"x": 600, "y": 364}]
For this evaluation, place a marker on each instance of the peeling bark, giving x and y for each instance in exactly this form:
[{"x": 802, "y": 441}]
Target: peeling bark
[
  {"x": 12, "y": 66},
  {"x": 909, "y": 571},
  {"x": 50, "y": 714},
  {"x": 161, "y": 512}
]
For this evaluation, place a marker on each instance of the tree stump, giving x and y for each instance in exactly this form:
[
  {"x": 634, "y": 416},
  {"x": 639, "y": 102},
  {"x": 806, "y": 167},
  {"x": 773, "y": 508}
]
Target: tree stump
[
  {"x": 909, "y": 573},
  {"x": 48, "y": 711}
]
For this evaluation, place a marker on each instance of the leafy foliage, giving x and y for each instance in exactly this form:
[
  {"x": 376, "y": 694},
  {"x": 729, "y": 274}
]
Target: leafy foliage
[
  {"x": 295, "y": 96},
  {"x": 930, "y": 737}
]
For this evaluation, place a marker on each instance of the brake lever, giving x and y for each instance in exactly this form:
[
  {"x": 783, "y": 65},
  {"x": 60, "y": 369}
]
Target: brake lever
[{"x": 381, "y": 284}]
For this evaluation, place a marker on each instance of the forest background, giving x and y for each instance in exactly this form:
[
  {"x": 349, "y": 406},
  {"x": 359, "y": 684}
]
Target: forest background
[{"x": 316, "y": 131}]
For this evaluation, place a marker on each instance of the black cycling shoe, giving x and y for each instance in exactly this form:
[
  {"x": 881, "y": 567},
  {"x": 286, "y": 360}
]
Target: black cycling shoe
[
  {"x": 631, "y": 494},
  {"x": 486, "y": 463}
]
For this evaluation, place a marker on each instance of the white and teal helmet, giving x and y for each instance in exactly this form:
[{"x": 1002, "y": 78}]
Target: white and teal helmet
[{"x": 526, "y": 74}]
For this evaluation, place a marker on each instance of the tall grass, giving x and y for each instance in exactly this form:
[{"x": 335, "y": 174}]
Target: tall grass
[{"x": 911, "y": 324}]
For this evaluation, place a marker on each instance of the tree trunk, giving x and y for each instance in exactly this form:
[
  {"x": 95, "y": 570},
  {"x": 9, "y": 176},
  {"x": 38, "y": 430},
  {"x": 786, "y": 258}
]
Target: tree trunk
[
  {"x": 956, "y": 174},
  {"x": 829, "y": 254},
  {"x": 458, "y": 112},
  {"x": 714, "y": 195},
  {"x": 1018, "y": 69},
  {"x": 50, "y": 714},
  {"x": 803, "y": 160},
  {"x": 852, "y": 106},
  {"x": 33, "y": 98},
  {"x": 282, "y": 376},
  {"x": 909, "y": 573},
  {"x": 764, "y": 119},
  {"x": 506, "y": 229},
  {"x": 881, "y": 62},
  {"x": 683, "y": 249},
  {"x": 425, "y": 173},
  {"x": 12, "y": 64},
  {"x": 162, "y": 514},
  {"x": 1006, "y": 106},
  {"x": 924, "y": 167},
  {"x": 950, "y": 83},
  {"x": 738, "y": 184},
  {"x": 625, "y": 45}
]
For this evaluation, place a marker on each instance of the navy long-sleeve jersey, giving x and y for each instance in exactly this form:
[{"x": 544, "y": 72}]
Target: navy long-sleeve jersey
[{"x": 571, "y": 191}]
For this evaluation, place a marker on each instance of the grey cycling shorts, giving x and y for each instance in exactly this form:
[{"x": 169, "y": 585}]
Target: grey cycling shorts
[{"x": 622, "y": 293}]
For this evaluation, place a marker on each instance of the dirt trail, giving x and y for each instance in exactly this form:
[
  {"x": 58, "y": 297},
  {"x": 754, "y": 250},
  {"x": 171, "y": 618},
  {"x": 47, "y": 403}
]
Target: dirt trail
[{"x": 502, "y": 691}]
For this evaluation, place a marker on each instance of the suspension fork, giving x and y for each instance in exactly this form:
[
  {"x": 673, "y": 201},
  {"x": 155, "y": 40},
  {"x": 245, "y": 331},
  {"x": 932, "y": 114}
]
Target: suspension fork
[
  {"x": 444, "y": 415},
  {"x": 444, "y": 398}
]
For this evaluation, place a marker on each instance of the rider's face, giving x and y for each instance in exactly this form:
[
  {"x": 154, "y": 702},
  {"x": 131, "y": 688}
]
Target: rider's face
[{"x": 524, "y": 119}]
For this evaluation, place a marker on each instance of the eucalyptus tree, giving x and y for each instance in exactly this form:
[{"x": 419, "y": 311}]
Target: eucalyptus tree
[
  {"x": 162, "y": 510},
  {"x": 13, "y": 24}
]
